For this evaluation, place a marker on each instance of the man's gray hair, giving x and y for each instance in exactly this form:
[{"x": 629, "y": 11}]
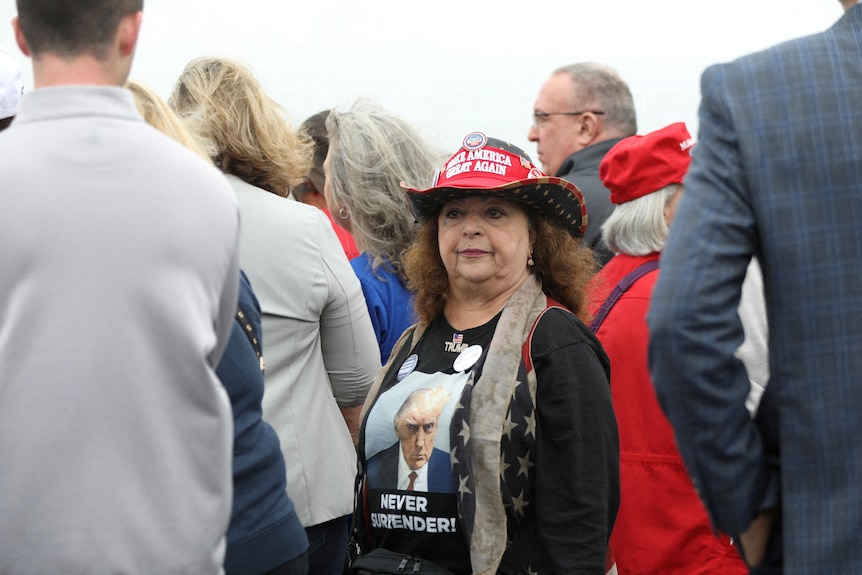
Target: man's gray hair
[{"x": 597, "y": 86}]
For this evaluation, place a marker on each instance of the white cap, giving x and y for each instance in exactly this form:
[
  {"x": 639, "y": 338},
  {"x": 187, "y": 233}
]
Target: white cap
[{"x": 11, "y": 84}]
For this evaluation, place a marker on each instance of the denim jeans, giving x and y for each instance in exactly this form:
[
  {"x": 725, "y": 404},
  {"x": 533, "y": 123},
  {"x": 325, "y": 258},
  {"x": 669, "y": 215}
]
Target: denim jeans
[{"x": 327, "y": 546}]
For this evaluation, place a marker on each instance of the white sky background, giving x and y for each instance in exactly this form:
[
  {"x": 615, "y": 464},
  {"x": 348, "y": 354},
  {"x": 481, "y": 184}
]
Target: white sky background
[{"x": 455, "y": 66}]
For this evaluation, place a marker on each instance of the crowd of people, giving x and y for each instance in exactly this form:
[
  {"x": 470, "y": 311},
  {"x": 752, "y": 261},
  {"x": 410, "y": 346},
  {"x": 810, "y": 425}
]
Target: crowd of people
[{"x": 231, "y": 344}]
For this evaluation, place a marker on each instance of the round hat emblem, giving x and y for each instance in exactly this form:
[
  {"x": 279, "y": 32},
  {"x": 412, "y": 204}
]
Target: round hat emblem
[{"x": 475, "y": 141}]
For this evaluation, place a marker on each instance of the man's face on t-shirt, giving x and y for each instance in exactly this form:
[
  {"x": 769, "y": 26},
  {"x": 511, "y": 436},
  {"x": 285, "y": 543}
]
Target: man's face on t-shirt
[{"x": 416, "y": 430}]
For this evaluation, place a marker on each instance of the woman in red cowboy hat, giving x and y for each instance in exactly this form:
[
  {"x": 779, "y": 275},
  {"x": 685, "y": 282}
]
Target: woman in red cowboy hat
[{"x": 528, "y": 433}]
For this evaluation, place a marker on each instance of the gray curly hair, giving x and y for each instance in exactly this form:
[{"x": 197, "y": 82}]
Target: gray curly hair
[{"x": 371, "y": 151}]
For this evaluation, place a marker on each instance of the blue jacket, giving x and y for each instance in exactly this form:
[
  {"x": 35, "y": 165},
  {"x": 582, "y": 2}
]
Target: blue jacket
[
  {"x": 264, "y": 530},
  {"x": 776, "y": 174},
  {"x": 390, "y": 305}
]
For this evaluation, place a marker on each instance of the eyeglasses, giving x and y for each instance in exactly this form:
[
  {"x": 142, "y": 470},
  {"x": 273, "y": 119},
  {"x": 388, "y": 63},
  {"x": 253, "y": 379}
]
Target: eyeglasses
[{"x": 542, "y": 117}]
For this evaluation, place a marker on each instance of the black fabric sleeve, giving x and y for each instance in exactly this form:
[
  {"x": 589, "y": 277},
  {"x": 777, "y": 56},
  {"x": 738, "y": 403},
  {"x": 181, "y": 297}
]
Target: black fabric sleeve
[{"x": 577, "y": 460}]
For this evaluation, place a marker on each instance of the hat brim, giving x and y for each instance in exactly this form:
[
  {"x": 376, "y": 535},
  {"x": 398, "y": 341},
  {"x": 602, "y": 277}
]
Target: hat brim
[{"x": 558, "y": 199}]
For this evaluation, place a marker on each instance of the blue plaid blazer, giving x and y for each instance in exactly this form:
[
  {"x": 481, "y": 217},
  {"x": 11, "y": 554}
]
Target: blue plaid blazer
[{"x": 776, "y": 173}]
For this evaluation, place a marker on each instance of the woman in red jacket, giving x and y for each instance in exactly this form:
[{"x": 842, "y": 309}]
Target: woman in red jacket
[{"x": 662, "y": 526}]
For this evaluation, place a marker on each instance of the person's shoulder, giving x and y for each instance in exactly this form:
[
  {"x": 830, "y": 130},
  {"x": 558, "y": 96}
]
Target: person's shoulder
[
  {"x": 361, "y": 264},
  {"x": 177, "y": 158},
  {"x": 436, "y": 451},
  {"x": 582, "y": 169},
  {"x": 160, "y": 154},
  {"x": 179, "y": 173},
  {"x": 383, "y": 279},
  {"x": 561, "y": 339},
  {"x": 290, "y": 215},
  {"x": 786, "y": 53},
  {"x": 558, "y": 326},
  {"x": 375, "y": 284}
]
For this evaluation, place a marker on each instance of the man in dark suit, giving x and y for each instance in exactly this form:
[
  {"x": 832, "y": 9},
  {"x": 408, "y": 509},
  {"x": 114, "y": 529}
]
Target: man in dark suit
[
  {"x": 413, "y": 463},
  {"x": 776, "y": 174}
]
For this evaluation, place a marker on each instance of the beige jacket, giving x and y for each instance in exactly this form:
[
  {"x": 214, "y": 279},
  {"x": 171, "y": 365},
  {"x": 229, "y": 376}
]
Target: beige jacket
[{"x": 318, "y": 343}]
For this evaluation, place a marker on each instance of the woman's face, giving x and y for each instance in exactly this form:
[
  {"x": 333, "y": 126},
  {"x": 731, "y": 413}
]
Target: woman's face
[{"x": 484, "y": 243}]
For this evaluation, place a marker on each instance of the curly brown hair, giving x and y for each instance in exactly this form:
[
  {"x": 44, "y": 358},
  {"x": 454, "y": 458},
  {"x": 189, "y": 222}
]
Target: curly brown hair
[{"x": 563, "y": 264}]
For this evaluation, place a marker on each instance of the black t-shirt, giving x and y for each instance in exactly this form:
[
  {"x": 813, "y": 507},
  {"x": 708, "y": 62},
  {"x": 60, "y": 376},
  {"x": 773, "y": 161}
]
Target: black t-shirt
[
  {"x": 560, "y": 456},
  {"x": 424, "y": 520}
]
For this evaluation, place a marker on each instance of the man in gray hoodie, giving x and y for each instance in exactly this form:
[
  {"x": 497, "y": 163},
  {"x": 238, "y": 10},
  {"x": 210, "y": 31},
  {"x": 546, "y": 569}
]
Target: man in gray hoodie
[{"x": 117, "y": 298}]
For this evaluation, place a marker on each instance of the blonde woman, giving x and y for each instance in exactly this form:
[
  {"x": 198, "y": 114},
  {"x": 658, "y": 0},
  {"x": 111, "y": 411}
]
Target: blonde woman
[
  {"x": 264, "y": 536},
  {"x": 159, "y": 115},
  {"x": 321, "y": 353}
]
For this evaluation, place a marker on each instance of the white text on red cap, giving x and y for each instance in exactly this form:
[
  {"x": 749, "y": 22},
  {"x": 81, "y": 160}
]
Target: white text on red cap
[{"x": 490, "y": 161}]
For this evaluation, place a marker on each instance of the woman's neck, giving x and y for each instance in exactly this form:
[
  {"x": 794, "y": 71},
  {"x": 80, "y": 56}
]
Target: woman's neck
[{"x": 466, "y": 310}]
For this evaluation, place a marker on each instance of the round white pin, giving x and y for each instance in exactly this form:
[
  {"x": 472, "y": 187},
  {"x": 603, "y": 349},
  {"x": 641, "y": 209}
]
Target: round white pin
[
  {"x": 408, "y": 366},
  {"x": 467, "y": 358}
]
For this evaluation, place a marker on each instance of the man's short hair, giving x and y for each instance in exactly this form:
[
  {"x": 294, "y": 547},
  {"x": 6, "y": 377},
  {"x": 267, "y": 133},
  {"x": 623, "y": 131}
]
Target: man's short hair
[
  {"x": 597, "y": 85},
  {"x": 71, "y": 28}
]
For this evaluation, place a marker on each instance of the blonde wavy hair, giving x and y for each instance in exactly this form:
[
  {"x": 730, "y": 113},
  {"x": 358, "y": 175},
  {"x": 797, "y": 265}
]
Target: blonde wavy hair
[
  {"x": 252, "y": 135},
  {"x": 563, "y": 264},
  {"x": 159, "y": 115}
]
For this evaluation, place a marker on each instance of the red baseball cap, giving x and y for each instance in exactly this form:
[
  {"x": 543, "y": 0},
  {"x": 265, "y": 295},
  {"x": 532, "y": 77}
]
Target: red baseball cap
[
  {"x": 488, "y": 166},
  {"x": 640, "y": 165}
]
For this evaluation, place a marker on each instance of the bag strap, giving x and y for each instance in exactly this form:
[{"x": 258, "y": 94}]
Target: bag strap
[
  {"x": 248, "y": 329},
  {"x": 621, "y": 288}
]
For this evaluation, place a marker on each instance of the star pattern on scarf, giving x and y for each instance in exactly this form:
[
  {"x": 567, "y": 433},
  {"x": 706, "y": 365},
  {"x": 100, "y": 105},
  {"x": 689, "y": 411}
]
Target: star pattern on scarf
[
  {"x": 519, "y": 504},
  {"x": 508, "y": 426},
  {"x": 517, "y": 451},
  {"x": 525, "y": 465},
  {"x": 517, "y": 456},
  {"x": 459, "y": 434},
  {"x": 531, "y": 424},
  {"x": 462, "y": 486},
  {"x": 465, "y": 433}
]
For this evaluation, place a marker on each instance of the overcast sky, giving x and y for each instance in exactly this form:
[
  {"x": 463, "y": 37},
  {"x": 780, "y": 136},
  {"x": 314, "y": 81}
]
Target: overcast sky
[{"x": 455, "y": 66}]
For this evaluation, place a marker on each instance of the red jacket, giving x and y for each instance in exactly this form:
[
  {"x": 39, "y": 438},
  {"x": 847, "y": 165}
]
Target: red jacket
[{"x": 662, "y": 526}]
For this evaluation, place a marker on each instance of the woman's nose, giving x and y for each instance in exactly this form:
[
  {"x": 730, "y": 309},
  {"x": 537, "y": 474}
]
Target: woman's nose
[{"x": 472, "y": 225}]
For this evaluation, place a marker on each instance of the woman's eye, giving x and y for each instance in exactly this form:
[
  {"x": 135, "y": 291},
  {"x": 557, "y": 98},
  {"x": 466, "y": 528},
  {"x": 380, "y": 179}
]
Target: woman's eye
[
  {"x": 495, "y": 213},
  {"x": 453, "y": 213}
]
